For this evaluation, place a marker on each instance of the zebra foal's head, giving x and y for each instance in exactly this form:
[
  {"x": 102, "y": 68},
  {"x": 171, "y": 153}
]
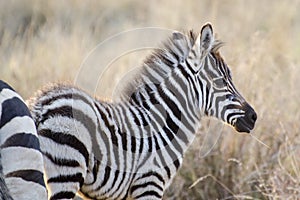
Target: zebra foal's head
[{"x": 220, "y": 98}]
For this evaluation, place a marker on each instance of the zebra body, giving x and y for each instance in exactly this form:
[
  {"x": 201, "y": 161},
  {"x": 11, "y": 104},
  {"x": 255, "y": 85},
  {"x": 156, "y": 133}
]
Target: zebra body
[
  {"x": 133, "y": 148},
  {"x": 21, "y": 159}
]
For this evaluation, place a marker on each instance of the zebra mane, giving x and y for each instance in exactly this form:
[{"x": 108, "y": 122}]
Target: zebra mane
[{"x": 165, "y": 58}]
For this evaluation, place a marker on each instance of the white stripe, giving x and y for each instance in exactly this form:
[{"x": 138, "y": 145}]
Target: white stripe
[
  {"x": 8, "y": 94},
  {"x": 25, "y": 190},
  {"x": 18, "y": 158},
  {"x": 23, "y": 124}
]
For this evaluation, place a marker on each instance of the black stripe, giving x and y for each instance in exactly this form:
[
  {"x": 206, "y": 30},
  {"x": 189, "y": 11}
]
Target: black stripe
[
  {"x": 137, "y": 121},
  {"x": 111, "y": 128},
  {"x": 28, "y": 175},
  {"x": 176, "y": 164},
  {"x": 174, "y": 55},
  {"x": 170, "y": 103},
  {"x": 66, "y": 139},
  {"x": 155, "y": 162},
  {"x": 211, "y": 96},
  {"x": 22, "y": 140},
  {"x": 141, "y": 147},
  {"x": 106, "y": 177},
  {"x": 195, "y": 90},
  {"x": 170, "y": 135},
  {"x": 67, "y": 178},
  {"x": 185, "y": 103},
  {"x": 143, "y": 185},
  {"x": 182, "y": 97},
  {"x": 152, "y": 173},
  {"x": 149, "y": 193},
  {"x": 113, "y": 131},
  {"x": 103, "y": 136},
  {"x": 157, "y": 147},
  {"x": 198, "y": 93},
  {"x": 192, "y": 37},
  {"x": 159, "y": 122},
  {"x": 149, "y": 143},
  {"x": 95, "y": 170},
  {"x": 142, "y": 104},
  {"x": 4, "y": 85},
  {"x": 119, "y": 185},
  {"x": 133, "y": 144},
  {"x": 191, "y": 68},
  {"x": 206, "y": 99},
  {"x": 63, "y": 195},
  {"x": 70, "y": 112},
  {"x": 167, "y": 61},
  {"x": 161, "y": 157},
  {"x": 62, "y": 161},
  {"x": 219, "y": 99},
  {"x": 229, "y": 116},
  {"x": 229, "y": 107},
  {"x": 167, "y": 170},
  {"x": 73, "y": 96},
  {"x": 125, "y": 123},
  {"x": 183, "y": 71},
  {"x": 12, "y": 108},
  {"x": 124, "y": 140},
  {"x": 116, "y": 176},
  {"x": 174, "y": 141},
  {"x": 179, "y": 48},
  {"x": 172, "y": 125}
]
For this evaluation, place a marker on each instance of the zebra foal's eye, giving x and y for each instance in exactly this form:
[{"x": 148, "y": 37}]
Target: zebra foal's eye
[{"x": 219, "y": 82}]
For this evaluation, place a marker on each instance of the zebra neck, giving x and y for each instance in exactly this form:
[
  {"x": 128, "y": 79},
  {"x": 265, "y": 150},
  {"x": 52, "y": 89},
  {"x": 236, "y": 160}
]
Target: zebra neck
[{"x": 169, "y": 108}]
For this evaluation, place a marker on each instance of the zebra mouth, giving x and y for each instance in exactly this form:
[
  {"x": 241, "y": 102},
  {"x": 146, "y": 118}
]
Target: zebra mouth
[
  {"x": 243, "y": 125},
  {"x": 246, "y": 123}
]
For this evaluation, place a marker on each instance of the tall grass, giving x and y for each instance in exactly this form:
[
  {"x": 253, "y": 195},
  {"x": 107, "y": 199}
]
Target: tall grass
[{"x": 46, "y": 41}]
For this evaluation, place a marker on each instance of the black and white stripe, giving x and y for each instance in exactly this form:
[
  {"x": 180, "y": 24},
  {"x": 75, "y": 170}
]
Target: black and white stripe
[
  {"x": 21, "y": 159},
  {"x": 133, "y": 148}
]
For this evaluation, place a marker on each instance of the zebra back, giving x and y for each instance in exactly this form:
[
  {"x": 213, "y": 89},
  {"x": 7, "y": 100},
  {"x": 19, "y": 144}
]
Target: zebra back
[{"x": 21, "y": 159}]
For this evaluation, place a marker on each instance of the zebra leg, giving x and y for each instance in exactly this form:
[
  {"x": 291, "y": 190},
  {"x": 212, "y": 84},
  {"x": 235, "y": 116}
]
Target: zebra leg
[
  {"x": 65, "y": 165},
  {"x": 149, "y": 186}
]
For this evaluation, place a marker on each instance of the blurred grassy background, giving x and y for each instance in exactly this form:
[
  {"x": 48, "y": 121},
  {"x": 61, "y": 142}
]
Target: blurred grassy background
[{"x": 46, "y": 41}]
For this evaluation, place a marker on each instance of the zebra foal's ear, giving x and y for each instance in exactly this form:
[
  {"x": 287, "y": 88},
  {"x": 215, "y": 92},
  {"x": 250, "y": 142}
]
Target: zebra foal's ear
[{"x": 206, "y": 39}]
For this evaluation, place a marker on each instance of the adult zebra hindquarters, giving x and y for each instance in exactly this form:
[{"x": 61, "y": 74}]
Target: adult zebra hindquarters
[{"x": 21, "y": 158}]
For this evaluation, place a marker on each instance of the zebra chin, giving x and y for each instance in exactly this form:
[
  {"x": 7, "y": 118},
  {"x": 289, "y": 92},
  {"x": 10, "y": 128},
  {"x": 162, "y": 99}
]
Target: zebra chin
[{"x": 247, "y": 122}]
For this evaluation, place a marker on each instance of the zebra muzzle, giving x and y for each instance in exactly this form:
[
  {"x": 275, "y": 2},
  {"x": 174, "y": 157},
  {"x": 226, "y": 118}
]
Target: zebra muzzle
[{"x": 247, "y": 122}]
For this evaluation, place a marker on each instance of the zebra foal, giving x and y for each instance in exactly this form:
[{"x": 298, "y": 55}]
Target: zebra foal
[{"x": 133, "y": 148}]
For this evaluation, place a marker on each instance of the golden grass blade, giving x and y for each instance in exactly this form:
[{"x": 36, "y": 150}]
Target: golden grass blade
[
  {"x": 261, "y": 142},
  {"x": 215, "y": 179}
]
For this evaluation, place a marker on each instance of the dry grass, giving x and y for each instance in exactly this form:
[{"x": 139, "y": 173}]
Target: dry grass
[{"x": 46, "y": 41}]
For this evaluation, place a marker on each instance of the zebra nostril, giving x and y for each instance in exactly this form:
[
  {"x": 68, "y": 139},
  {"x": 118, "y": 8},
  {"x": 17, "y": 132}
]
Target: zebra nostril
[{"x": 252, "y": 116}]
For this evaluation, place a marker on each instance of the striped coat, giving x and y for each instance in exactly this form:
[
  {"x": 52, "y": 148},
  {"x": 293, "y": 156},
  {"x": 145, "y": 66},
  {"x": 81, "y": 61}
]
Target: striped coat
[{"x": 21, "y": 159}]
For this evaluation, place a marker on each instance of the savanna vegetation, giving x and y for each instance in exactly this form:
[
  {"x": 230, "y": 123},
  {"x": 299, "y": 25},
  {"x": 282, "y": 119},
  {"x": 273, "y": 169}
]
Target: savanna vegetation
[{"x": 47, "y": 41}]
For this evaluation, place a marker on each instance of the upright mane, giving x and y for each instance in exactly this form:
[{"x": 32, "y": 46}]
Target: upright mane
[{"x": 162, "y": 60}]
